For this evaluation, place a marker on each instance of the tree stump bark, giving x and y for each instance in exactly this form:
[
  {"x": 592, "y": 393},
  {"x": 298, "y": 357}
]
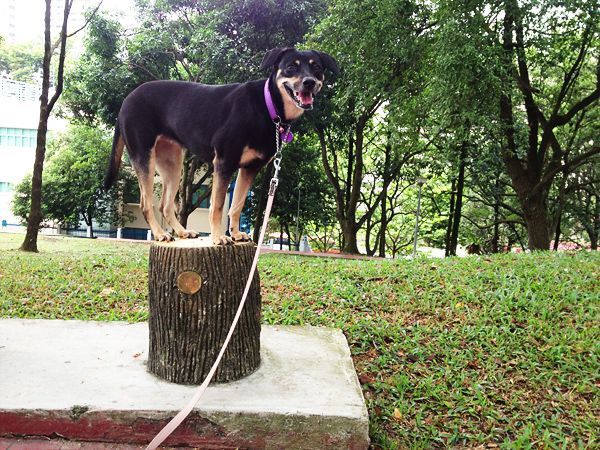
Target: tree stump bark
[{"x": 194, "y": 289}]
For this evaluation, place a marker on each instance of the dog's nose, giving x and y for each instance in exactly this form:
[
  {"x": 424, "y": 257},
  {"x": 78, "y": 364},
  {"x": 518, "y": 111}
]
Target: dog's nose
[{"x": 309, "y": 83}]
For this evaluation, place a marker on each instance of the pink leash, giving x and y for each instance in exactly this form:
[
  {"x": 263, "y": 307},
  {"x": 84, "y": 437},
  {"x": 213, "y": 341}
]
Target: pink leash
[{"x": 180, "y": 417}]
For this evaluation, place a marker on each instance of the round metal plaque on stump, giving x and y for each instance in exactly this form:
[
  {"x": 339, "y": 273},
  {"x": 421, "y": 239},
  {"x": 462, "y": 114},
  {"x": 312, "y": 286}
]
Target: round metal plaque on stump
[{"x": 189, "y": 282}]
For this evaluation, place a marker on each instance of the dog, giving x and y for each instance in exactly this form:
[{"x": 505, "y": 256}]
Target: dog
[{"x": 229, "y": 125}]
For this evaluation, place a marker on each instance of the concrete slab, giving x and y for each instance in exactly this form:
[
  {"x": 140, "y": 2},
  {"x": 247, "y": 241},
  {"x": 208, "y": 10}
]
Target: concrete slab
[{"x": 88, "y": 381}]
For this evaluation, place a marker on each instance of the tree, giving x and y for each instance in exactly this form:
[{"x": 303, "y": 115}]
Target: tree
[
  {"x": 378, "y": 65},
  {"x": 302, "y": 178},
  {"x": 46, "y": 105},
  {"x": 544, "y": 73},
  {"x": 72, "y": 184},
  {"x": 534, "y": 170},
  {"x": 22, "y": 62},
  {"x": 76, "y": 167},
  {"x": 394, "y": 165},
  {"x": 583, "y": 206}
]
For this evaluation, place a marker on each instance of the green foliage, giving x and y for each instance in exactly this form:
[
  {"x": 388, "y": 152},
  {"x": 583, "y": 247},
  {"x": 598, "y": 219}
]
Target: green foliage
[
  {"x": 377, "y": 45},
  {"x": 72, "y": 185},
  {"x": 22, "y": 62},
  {"x": 455, "y": 353},
  {"x": 21, "y": 203},
  {"x": 514, "y": 79},
  {"x": 96, "y": 86},
  {"x": 301, "y": 171}
]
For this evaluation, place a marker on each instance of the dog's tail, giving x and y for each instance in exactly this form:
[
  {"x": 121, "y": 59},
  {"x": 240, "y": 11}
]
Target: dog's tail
[{"x": 115, "y": 158}]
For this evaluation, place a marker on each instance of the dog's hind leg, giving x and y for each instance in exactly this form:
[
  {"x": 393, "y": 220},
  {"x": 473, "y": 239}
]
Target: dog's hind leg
[
  {"x": 169, "y": 162},
  {"x": 146, "y": 181},
  {"x": 242, "y": 186},
  {"x": 218, "y": 193}
]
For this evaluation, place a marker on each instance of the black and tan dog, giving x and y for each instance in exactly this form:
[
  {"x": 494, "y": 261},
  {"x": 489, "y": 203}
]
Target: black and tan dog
[{"x": 227, "y": 124}]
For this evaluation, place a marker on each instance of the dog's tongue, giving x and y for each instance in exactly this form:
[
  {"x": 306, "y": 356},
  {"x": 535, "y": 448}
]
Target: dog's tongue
[{"x": 306, "y": 98}]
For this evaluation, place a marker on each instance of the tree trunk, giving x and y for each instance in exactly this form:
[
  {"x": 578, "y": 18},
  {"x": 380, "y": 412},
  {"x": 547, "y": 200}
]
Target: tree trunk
[
  {"x": 496, "y": 235},
  {"x": 557, "y": 233},
  {"x": 592, "y": 231},
  {"x": 349, "y": 235},
  {"x": 384, "y": 225},
  {"x": 536, "y": 220},
  {"x": 450, "y": 217},
  {"x": 46, "y": 105},
  {"x": 194, "y": 290},
  {"x": 35, "y": 216},
  {"x": 593, "y": 241},
  {"x": 460, "y": 185},
  {"x": 185, "y": 196}
]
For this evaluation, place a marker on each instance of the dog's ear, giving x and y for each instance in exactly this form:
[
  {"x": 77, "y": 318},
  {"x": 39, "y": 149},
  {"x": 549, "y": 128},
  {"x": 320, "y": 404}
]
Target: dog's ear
[
  {"x": 273, "y": 56},
  {"x": 329, "y": 62}
]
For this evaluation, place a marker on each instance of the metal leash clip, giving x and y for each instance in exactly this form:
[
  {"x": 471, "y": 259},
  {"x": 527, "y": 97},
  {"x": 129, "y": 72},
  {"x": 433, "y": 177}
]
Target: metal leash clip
[{"x": 280, "y": 140}]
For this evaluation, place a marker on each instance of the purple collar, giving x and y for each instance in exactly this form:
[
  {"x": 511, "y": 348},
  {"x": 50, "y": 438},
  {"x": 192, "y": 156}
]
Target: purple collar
[{"x": 284, "y": 132}]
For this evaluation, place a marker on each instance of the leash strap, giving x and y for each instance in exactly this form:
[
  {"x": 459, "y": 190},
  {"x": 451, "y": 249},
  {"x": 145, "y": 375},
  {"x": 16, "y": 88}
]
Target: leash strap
[{"x": 181, "y": 416}]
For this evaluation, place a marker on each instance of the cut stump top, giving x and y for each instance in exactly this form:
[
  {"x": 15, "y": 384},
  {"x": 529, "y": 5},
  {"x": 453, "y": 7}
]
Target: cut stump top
[{"x": 202, "y": 242}]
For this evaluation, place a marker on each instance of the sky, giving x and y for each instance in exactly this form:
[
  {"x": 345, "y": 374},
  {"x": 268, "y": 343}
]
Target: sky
[{"x": 29, "y": 15}]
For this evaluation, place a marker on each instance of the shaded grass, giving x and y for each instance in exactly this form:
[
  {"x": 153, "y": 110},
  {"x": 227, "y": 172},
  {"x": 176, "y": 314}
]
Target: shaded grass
[{"x": 455, "y": 353}]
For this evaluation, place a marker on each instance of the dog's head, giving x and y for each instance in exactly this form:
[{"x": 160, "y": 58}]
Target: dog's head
[{"x": 299, "y": 74}]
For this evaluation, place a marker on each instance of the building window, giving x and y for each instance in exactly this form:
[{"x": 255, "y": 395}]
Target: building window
[
  {"x": 6, "y": 187},
  {"x": 17, "y": 137}
]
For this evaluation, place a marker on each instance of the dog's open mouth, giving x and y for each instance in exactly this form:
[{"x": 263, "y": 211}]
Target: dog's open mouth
[{"x": 302, "y": 99}]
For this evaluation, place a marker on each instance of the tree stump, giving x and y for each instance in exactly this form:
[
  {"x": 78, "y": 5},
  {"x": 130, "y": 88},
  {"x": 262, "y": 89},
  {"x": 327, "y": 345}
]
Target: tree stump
[{"x": 194, "y": 290}]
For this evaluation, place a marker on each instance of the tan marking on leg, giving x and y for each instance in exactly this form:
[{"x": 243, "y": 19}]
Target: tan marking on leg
[
  {"x": 217, "y": 201},
  {"x": 146, "y": 182},
  {"x": 242, "y": 186},
  {"x": 169, "y": 162},
  {"x": 249, "y": 155}
]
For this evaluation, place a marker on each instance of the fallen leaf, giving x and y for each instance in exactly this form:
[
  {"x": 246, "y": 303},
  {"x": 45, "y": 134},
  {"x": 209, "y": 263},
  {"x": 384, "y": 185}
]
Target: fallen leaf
[
  {"x": 106, "y": 292},
  {"x": 397, "y": 414},
  {"x": 366, "y": 378}
]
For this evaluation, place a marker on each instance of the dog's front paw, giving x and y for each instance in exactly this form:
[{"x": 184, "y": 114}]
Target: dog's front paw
[
  {"x": 240, "y": 236},
  {"x": 188, "y": 234},
  {"x": 222, "y": 240},
  {"x": 163, "y": 237}
]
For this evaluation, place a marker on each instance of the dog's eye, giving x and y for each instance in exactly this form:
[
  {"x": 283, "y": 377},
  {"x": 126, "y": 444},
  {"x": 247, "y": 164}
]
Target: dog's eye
[{"x": 291, "y": 68}]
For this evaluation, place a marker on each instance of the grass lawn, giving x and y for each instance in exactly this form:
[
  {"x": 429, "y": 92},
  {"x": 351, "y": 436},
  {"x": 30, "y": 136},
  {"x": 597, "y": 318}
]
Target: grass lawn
[{"x": 477, "y": 352}]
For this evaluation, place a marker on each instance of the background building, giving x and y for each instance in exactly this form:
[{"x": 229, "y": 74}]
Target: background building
[
  {"x": 19, "y": 115},
  {"x": 23, "y": 20}
]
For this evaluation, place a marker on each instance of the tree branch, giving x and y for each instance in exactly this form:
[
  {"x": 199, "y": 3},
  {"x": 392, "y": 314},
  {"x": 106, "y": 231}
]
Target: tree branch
[
  {"x": 87, "y": 21},
  {"x": 61, "y": 57},
  {"x": 568, "y": 166},
  {"x": 570, "y": 76}
]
